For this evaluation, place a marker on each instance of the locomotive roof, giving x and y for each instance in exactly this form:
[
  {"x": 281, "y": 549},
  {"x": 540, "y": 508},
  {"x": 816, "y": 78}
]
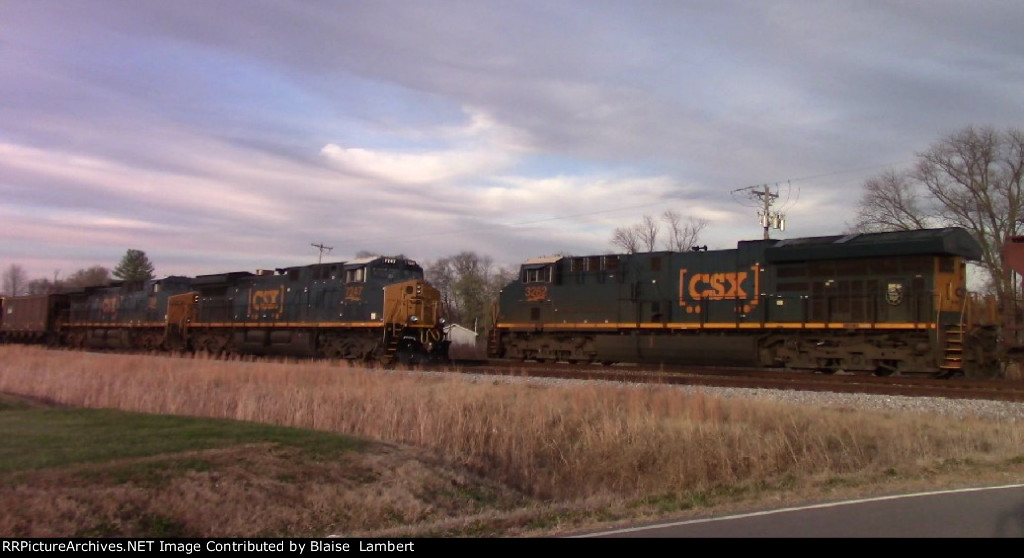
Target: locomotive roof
[
  {"x": 543, "y": 260},
  {"x": 952, "y": 241}
]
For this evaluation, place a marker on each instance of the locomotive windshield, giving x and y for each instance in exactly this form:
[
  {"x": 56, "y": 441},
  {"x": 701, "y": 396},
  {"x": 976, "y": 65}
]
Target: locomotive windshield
[{"x": 538, "y": 270}]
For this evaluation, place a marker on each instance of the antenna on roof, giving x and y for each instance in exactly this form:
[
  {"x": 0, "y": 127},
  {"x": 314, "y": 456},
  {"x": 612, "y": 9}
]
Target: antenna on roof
[{"x": 322, "y": 248}]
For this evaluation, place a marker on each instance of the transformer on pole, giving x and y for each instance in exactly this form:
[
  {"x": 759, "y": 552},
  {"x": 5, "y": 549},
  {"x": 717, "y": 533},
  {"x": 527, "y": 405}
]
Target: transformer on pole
[{"x": 765, "y": 199}]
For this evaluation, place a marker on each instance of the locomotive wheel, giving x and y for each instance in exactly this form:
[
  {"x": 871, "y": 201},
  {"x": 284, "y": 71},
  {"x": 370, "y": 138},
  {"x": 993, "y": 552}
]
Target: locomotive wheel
[{"x": 334, "y": 348}]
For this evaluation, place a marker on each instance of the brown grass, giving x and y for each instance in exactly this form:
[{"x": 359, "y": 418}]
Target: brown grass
[{"x": 556, "y": 455}]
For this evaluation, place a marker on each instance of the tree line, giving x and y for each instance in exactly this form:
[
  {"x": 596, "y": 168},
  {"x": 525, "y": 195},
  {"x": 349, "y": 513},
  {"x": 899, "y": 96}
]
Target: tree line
[{"x": 134, "y": 266}]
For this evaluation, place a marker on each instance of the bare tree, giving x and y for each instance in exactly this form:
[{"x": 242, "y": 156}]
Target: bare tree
[
  {"x": 682, "y": 236},
  {"x": 647, "y": 230},
  {"x": 469, "y": 285},
  {"x": 46, "y": 286},
  {"x": 626, "y": 238},
  {"x": 978, "y": 175},
  {"x": 893, "y": 202},
  {"x": 641, "y": 236},
  {"x": 91, "y": 277},
  {"x": 15, "y": 280},
  {"x": 975, "y": 180},
  {"x": 644, "y": 235}
]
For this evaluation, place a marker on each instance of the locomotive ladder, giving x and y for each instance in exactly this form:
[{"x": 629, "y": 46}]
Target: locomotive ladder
[
  {"x": 394, "y": 337},
  {"x": 953, "y": 361},
  {"x": 493, "y": 339}
]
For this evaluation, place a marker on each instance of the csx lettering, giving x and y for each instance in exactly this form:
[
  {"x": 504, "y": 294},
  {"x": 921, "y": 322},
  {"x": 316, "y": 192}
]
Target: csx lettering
[
  {"x": 536, "y": 293},
  {"x": 265, "y": 300},
  {"x": 716, "y": 286},
  {"x": 354, "y": 293},
  {"x": 109, "y": 305}
]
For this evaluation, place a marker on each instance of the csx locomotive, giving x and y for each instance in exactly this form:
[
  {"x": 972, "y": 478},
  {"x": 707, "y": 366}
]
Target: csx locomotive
[
  {"x": 375, "y": 309},
  {"x": 883, "y": 303}
]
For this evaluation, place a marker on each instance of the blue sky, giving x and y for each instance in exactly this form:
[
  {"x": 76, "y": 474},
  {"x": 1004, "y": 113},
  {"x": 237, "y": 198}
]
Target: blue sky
[{"x": 232, "y": 135}]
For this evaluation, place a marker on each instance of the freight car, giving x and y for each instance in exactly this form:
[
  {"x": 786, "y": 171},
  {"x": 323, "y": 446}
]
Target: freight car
[
  {"x": 883, "y": 303},
  {"x": 374, "y": 308},
  {"x": 32, "y": 318}
]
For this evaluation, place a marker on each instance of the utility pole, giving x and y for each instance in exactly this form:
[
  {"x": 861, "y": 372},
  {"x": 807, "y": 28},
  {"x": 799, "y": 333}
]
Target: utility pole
[
  {"x": 764, "y": 198},
  {"x": 769, "y": 219},
  {"x": 321, "y": 247}
]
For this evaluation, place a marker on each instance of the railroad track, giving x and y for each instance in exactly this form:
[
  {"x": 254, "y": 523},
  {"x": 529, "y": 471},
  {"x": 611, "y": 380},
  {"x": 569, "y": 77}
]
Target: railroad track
[{"x": 913, "y": 386}]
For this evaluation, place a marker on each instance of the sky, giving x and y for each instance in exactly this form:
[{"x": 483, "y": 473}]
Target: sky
[{"x": 236, "y": 135}]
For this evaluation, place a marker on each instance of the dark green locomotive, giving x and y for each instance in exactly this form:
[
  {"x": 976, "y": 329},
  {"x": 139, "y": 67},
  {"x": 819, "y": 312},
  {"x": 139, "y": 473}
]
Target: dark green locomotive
[
  {"x": 893, "y": 302},
  {"x": 375, "y": 308},
  {"x": 124, "y": 315}
]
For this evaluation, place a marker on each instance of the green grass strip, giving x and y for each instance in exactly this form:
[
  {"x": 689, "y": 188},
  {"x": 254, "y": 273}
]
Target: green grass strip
[{"x": 43, "y": 438}]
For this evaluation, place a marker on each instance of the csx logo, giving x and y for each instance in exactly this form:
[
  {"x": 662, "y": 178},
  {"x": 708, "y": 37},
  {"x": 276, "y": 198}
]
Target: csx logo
[
  {"x": 722, "y": 285},
  {"x": 714, "y": 286},
  {"x": 269, "y": 300},
  {"x": 108, "y": 306}
]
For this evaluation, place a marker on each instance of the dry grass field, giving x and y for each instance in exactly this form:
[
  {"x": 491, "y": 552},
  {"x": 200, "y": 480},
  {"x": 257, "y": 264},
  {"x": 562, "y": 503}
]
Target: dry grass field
[{"x": 409, "y": 454}]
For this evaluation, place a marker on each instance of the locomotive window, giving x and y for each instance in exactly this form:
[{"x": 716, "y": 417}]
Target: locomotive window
[
  {"x": 655, "y": 264},
  {"x": 576, "y": 264},
  {"x": 540, "y": 274},
  {"x": 293, "y": 275},
  {"x": 357, "y": 275},
  {"x": 946, "y": 265},
  {"x": 611, "y": 263}
]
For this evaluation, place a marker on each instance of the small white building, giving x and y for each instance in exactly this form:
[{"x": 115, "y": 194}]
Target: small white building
[{"x": 460, "y": 336}]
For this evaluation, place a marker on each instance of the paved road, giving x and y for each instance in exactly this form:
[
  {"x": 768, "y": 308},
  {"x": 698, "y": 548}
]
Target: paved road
[{"x": 989, "y": 512}]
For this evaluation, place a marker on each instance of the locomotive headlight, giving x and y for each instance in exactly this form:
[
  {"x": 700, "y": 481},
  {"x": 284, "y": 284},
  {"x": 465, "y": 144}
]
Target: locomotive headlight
[{"x": 414, "y": 319}]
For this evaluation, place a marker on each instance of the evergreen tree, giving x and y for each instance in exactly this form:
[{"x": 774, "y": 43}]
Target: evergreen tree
[{"x": 134, "y": 266}]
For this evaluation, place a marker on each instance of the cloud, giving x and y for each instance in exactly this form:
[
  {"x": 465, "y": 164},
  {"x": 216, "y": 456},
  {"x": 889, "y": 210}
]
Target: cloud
[
  {"x": 481, "y": 147},
  {"x": 235, "y": 134}
]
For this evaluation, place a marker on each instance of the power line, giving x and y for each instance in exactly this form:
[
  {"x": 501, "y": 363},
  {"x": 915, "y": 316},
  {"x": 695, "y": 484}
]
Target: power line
[
  {"x": 778, "y": 219},
  {"x": 766, "y": 199}
]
